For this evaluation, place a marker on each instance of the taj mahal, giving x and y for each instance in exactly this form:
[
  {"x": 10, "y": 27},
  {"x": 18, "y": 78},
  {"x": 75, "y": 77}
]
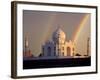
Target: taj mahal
[{"x": 58, "y": 46}]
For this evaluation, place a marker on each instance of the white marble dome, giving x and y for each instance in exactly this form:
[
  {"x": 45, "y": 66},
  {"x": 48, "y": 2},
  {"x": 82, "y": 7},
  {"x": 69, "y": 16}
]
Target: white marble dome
[{"x": 59, "y": 35}]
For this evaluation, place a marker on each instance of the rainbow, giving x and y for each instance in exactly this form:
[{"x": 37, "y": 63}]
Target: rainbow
[
  {"x": 80, "y": 27},
  {"x": 48, "y": 27}
]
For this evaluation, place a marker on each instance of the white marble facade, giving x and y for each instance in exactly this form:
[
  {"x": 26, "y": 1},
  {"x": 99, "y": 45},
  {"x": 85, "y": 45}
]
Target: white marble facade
[{"x": 58, "y": 47}]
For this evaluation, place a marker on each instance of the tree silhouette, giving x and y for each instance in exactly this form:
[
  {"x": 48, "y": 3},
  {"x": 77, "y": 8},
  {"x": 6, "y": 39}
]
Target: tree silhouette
[
  {"x": 40, "y": 55},
  {"x": 77, "y": 54}
]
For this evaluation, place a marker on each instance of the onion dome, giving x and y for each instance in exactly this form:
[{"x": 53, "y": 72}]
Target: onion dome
[{"x": 59, "y": 35}]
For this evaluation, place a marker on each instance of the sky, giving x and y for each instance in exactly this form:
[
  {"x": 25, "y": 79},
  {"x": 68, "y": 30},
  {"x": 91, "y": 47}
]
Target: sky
[{"x": 39, "y": 26}]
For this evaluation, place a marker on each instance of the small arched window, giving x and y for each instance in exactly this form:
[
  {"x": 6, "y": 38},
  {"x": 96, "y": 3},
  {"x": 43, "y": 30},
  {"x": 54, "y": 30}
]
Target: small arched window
[
  {"x": 62, "y": 53},
  {"x": 62, "y": 48},
  {"x": 49, "y": 51},
  {"x": 68, "y": 51}
]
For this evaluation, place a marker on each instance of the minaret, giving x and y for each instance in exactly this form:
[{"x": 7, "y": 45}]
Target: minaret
[
  {"x": 88, "y": 46},
  {"x": 26, "y": 43},
  {"x": 27, "y": 52}
]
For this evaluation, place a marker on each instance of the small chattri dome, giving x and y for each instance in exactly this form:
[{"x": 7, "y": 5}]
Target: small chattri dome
[{"x": 59, "y": 34}]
